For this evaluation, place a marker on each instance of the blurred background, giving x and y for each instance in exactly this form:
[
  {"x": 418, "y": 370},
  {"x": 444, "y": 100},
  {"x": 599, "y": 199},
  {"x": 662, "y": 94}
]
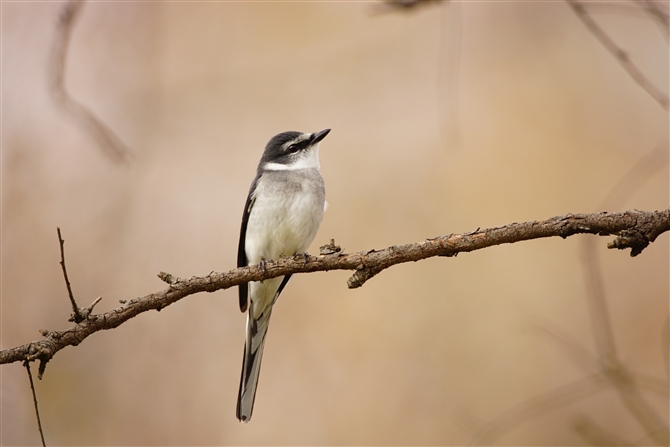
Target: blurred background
[{"x": 444, "y": 117}]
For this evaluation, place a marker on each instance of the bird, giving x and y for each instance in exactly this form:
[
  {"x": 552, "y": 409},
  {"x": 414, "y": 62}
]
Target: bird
[{"x": 281, "y": 217}]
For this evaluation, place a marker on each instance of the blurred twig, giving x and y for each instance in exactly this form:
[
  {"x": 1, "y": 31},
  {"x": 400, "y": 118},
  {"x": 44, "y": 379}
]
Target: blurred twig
[
  {"x": 594, "y": 434},
  {"x": 627, "y": 185},
  {"x": 535, "y": 406},
  {"x": 571, "y": 346},
  {"x": 605, "y": 344},
  {"x": 648, "y": 165},
  {"x": 647, "y": 226},
  {"x": 619, "y": 8},
  {"x": 652, "y": 384},
  {"x": 606, "y": 363},
  {"x": 448, "y": 74},
  {"x": 620, "y": 55},
  {"x": 106, "y": 138},
  {"x": 402, "y": 5},
  {"x": 658, "y": 14},
  {"x": 665, "y": 344}
]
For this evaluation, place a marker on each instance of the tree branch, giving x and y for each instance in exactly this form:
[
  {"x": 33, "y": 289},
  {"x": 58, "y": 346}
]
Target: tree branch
[{"x": 634, "y": 229}]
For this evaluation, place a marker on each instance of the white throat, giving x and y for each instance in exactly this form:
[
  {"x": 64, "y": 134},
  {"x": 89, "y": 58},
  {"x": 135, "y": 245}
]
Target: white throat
[{"x": 308, "y": 159}]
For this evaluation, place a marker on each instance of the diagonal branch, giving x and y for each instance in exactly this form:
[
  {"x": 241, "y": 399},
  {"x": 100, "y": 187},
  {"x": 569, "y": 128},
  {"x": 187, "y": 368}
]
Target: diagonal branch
[
  {"x": 634, "y": 229},
  {"x": 37, "y": 410}
]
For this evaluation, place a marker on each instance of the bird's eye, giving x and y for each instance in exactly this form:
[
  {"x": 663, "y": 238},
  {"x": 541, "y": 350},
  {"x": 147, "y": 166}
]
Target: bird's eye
[{"x": 292, "y": 148}]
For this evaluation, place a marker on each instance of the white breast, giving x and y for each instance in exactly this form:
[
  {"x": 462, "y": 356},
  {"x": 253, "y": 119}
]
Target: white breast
[{"x": 286, "y": 214}]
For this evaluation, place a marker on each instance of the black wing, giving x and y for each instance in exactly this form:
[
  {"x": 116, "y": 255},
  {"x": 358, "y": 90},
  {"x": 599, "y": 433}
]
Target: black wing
[
  {"x": 241, "y": 251},
  {"x": 281, "y": 286},
  {"x": 242, "y": 260}
]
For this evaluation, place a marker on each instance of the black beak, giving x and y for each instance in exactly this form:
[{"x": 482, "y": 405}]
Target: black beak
[{"x": 318, "y": 136}]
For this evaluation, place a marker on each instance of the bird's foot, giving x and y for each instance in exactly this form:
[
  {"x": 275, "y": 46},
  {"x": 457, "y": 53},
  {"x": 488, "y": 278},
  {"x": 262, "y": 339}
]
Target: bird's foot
[
  {"x": 304, "y": 255},
  {"x": 263, "y": 267}
]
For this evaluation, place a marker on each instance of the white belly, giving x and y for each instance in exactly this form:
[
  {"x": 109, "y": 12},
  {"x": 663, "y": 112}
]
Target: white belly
[{"x": 284, "y": 219}]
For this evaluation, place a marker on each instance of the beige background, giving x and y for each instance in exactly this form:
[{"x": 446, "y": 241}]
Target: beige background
[{"x": 444, "y": 120}]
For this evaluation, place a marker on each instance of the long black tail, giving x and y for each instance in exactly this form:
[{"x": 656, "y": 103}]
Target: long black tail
[{"x": 251, "y": 364}]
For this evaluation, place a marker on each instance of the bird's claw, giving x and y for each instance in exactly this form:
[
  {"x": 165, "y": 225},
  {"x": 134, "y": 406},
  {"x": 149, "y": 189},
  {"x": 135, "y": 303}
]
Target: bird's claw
[{"x": 263, "y": 267}]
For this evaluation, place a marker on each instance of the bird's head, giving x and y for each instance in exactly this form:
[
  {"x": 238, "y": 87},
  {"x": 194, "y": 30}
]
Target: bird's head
[{"x": 292, "y": 150}]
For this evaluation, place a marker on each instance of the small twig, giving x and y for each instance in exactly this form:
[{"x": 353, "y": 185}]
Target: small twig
[
  {"x": 168, "y": 278},
  {"x": 87, "y": 311},
  {"x": 37, "y": 411},
  {"x": 76, "y": 313},
  {"x": 330, "y": 248},
  {"x": 620, "y": 55}
]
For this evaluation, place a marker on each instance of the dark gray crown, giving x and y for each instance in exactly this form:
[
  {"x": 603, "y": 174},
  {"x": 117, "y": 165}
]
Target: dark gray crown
[{"x": 282, "y": 147}]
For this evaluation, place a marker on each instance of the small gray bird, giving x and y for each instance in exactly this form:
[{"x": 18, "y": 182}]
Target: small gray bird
[{"x": 281, "y": 217}]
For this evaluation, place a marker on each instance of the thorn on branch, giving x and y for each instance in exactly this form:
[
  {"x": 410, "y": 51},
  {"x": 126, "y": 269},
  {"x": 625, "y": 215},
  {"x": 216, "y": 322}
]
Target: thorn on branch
[
  {"x": 473, "y": 232},
  {"x": 42, "y": 367},
  {"x": 632, "y": 239},
  {"x": 43, "y": 350},
  {"x": 167, "y": 278},
  {"x": 361, "y": 276},
  {"x": 85, "y": 313},
  {"x": 330, "y": 248}
]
